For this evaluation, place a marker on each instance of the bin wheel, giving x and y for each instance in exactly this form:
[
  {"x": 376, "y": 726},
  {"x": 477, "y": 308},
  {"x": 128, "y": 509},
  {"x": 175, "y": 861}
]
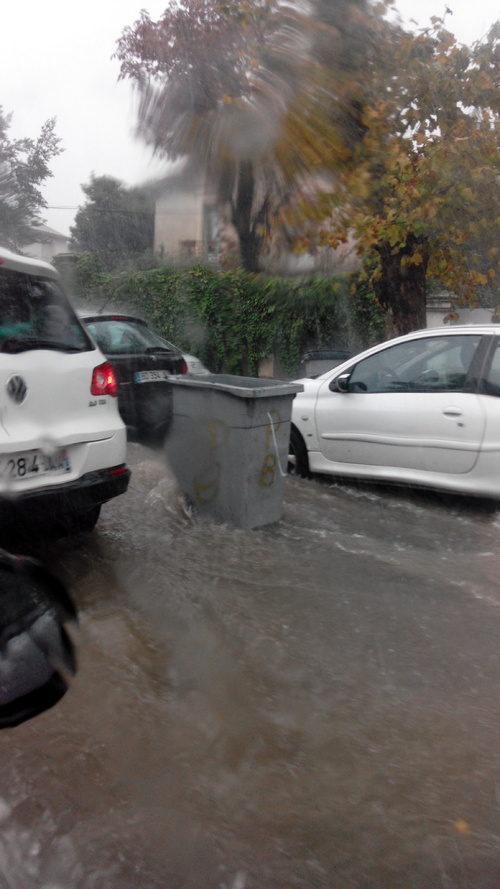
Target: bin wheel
[{"x": 298, "y": 463}]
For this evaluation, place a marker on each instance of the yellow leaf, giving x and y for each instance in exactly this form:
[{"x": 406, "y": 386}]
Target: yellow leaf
[{"x": 478, "y": 278}]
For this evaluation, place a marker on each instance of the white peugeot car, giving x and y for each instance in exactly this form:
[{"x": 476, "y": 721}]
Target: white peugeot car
[
  {"x": 423, "y": 409},
  {"x": 62, "y": 441}
]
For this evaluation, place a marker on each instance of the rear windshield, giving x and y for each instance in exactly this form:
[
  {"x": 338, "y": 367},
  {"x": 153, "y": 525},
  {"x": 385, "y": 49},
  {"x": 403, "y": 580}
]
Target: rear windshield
[
  {"x": 35, "y": 314},
  {"x": 119, "y": 336}
]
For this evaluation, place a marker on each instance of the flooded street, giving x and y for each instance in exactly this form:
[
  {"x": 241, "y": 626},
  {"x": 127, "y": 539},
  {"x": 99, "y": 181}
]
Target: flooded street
[{"x": 311, "y": 705}]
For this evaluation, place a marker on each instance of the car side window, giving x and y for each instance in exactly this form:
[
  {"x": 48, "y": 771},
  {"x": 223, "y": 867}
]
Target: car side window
[
  {"x": 431, "y": 364},
  {"x": 491, "y": 382}
]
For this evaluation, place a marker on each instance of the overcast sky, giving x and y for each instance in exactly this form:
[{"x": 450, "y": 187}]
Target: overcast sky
[{"x": 55, "y": 61}]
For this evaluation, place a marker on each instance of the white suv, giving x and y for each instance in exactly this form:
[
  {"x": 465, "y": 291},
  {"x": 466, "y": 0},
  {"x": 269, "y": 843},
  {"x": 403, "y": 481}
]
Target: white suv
[{"x": 62, "y": 442}]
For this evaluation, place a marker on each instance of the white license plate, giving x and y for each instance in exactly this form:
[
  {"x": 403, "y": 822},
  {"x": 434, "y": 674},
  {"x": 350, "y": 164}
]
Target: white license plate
[
  {"x": 32, "y": 464},
  {"x": 150, "y": 376}
]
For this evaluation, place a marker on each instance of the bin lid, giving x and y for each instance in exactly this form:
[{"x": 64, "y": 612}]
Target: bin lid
[{"x": 242, "y": 387}]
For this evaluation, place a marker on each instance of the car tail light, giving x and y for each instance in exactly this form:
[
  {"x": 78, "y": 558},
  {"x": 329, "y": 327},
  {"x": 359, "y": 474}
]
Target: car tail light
[
  {"x": 118, "y": 470},
  {"x": 184, "y": 368},
  {"x": 104, "y": 380}
]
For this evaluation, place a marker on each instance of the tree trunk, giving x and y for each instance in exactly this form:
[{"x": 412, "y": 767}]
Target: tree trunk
[
  {"x": 401, "y": 288},
  {"x": 242, "y": 207},
  {"x": 250, "y": 251}
]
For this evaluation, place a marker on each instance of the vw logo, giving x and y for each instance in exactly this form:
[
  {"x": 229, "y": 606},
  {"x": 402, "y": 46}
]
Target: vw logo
[{"x": 16, "y": 389}]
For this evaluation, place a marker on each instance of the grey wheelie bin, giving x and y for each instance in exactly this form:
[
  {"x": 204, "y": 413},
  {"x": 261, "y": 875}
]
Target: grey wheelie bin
[{"x": 228, "y": 445}]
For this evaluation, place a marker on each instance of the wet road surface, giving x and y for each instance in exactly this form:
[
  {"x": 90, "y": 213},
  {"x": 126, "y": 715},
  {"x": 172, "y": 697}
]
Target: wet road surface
[{"x": 313, "y": 705}]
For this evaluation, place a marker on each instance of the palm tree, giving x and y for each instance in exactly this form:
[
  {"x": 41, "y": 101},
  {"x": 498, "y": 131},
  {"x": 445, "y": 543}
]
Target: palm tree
[{"x": 235, "y": 87}]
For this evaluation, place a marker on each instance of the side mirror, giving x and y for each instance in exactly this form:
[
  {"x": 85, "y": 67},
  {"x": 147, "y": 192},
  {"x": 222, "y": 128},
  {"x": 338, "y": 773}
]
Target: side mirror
[
  {"x": 37, "y": 656},
  {"x": 341, "y": 383}
]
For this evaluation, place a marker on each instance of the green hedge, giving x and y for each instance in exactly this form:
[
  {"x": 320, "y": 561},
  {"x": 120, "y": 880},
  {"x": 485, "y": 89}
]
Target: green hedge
[{"x": 231, "y": 320}]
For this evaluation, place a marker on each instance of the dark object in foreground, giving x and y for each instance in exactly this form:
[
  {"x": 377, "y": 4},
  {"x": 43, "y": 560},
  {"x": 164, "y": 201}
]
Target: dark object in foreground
[{"x": 37, "y": 656}]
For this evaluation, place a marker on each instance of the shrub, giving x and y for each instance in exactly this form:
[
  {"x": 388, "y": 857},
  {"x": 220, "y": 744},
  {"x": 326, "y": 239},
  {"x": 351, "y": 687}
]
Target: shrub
[{"x": 232, "y": 319}]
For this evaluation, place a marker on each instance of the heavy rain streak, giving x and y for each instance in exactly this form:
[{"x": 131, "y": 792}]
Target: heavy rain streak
[{"x": 242, "y": 674}]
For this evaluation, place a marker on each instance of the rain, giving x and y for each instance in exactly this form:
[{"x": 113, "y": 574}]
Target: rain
[
  {"x": 239, "y": 674},
  {"x": 312, "y": 703}
]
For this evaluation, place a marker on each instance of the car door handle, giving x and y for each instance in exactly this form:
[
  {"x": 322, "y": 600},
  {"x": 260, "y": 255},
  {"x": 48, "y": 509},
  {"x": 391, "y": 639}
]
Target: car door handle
[{"x": 452, "y": 412}]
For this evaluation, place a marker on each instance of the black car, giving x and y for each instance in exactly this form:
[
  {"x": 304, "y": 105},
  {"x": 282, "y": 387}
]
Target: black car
[{"x": 143, "y": 363}]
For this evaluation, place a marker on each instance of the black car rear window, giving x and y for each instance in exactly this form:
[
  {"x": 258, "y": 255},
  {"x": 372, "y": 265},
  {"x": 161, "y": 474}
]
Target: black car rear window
[
  {"x": 35, "y": 314},
  {"x": 119, "y": 336}
]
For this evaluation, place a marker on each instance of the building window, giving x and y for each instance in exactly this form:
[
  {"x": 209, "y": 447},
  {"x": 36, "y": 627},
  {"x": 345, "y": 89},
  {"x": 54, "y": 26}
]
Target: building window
[
  {"x": 210, "y": 228},
  {"x": 187, "y": 249}
]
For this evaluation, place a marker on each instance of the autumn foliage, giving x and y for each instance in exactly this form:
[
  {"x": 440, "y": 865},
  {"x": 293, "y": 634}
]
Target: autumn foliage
[
  {"x": 326, "y": 122},
  {"x": 421, "y": 192}
]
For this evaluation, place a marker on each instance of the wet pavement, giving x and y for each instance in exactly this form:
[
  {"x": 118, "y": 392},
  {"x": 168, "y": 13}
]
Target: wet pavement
[{"x": 311, "y": 705}]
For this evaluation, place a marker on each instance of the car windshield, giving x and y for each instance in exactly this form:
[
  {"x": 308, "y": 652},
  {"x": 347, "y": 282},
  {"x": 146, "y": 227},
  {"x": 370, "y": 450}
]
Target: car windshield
[
  {"x": 121, "y": 336},
  {"x": 34, "y": 314}
]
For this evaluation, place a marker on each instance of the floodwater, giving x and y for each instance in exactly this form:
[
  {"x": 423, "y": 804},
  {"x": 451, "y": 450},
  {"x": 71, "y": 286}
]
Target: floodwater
[{"x": 311, "y": 705}]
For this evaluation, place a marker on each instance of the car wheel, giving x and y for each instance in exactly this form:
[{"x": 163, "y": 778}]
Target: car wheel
[
  {"x": 77, "y": 522},
  {"x": 87, "y": 520},
  {"x": 298, "y": 463}
]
